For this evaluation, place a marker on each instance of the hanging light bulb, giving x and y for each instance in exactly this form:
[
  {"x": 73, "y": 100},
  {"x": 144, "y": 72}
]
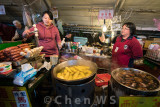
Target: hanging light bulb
[{"x": 104, "y": 29}]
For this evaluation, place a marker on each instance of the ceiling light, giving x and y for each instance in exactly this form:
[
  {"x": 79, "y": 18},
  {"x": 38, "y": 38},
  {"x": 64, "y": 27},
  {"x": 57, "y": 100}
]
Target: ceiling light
[{"x": 104, "y": 29}]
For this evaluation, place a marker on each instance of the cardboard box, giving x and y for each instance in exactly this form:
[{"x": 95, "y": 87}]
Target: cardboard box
[
  {"x": 156, "y": 42},
  {"x": 156, "y": 39},
  {"x": 147, "y": 43}
]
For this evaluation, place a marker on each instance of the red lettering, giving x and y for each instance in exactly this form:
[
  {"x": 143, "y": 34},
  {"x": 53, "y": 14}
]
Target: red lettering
[
  {"x": 23, "y": 105},
  {"x": 21, "y": 100}
]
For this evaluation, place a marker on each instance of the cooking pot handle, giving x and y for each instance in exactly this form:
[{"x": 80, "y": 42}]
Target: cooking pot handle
[{"x": 70, "y": 92}]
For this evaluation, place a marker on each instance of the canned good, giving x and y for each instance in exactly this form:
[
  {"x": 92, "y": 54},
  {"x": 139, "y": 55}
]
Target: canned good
[{"x": 5, "y": 67}]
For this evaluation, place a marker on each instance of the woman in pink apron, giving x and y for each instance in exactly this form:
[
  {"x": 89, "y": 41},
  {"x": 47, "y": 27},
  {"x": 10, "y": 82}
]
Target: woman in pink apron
[{"x": 48, "y": 35}]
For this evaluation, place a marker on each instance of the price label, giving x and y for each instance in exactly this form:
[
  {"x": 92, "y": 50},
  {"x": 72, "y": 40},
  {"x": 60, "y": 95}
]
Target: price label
[
  {"x": 105, "y": 14},
  {"x": 21, "y": 98},
  {"x": 139, "y": 102}
]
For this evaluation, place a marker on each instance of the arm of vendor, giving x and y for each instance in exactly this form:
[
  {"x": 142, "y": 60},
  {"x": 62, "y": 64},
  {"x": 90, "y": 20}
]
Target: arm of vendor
[{"x": 102, "y": 38}]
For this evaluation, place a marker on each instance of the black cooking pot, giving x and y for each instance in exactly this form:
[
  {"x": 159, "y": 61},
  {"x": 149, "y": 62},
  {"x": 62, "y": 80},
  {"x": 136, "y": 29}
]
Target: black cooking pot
[
  {"x": 59, "y": 67},
  {"x": 122, "y": 90},
  {"x": 118, "y": 89}
]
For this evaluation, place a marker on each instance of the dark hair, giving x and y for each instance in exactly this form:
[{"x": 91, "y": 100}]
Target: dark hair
[
  {"x": 99, "y": 33},
  {"x": 131, "y": 27},
  {"x": 68, "y": 32},
  {"x": 49, "y": 14}
]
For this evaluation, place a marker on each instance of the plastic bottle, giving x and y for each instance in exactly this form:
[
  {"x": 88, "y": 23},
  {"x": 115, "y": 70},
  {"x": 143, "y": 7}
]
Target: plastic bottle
[{"x": 63, "y": 42}]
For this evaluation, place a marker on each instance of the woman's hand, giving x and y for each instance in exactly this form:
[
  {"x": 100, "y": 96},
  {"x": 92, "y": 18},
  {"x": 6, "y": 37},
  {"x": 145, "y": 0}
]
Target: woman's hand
[
  {"x": 102, "y": 38},
  {"x": 59, "y": 46},
  {"x": 24, "y": 40},
  {"x": 26, "y": 33},
  {"x": 12, "y": 39}
]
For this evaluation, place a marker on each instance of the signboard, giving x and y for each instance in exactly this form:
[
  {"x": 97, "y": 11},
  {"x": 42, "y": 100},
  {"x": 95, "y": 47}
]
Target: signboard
[
  {"x": 2, "y": 10},
  {"x": 105, "y": 14},
  {"x": 139, "y": 101},
  {"x": 21, "y": 98},
  {"x": 14, "y": 97},
  {"x": 157, "y": 23}
]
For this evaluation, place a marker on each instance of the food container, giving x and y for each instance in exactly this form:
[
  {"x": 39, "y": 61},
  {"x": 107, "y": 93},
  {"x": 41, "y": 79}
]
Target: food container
[
  {"x": 125, "y": 90},
  {"x": 119, "y": 89},
  {"x": 102, "y": 79},
  {"x": 156, "y": 46},
  {"x": 5, "y": 67},
  {"x": 89, "y": 50},
  {"x": 54, "y": 59},
  {"x": 75, "y": 89},
  {"x": 59, "y": 67},
  {"x": 151, "y": 46}
]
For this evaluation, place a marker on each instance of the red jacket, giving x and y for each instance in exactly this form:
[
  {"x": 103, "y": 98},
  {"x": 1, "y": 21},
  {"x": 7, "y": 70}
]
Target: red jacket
[
  {"x": 124, "y": 51},
  {"x": 48, "y": 38}
]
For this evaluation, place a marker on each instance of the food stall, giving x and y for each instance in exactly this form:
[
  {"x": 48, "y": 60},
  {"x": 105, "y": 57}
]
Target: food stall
[
  {"x": 79, "y": 71},
  {"x": 92, "y": 79}
]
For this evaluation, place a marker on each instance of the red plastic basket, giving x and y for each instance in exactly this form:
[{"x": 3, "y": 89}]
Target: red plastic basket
[{"x": 102, "y": 79}]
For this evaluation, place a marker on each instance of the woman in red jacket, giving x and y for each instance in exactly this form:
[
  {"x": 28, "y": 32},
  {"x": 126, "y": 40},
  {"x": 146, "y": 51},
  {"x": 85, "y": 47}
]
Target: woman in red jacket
[
  {"x": 127, "y": 48},
  {"x": 48, "y": 35}
]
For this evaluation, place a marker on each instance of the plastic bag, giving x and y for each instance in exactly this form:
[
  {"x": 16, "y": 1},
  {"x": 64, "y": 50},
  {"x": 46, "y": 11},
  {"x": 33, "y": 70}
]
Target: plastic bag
[{"x": 27, "y": 73}]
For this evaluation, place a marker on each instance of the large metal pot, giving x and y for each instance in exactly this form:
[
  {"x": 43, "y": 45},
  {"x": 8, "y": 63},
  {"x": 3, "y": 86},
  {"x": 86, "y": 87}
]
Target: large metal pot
[
  {"x": 59, "y": 67},
  {"x": 73, "y": 89},
  {"x": 119, "y": 89},
  {"x": 123, "y": 90},
  {"x": 81, "y": 91}
]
